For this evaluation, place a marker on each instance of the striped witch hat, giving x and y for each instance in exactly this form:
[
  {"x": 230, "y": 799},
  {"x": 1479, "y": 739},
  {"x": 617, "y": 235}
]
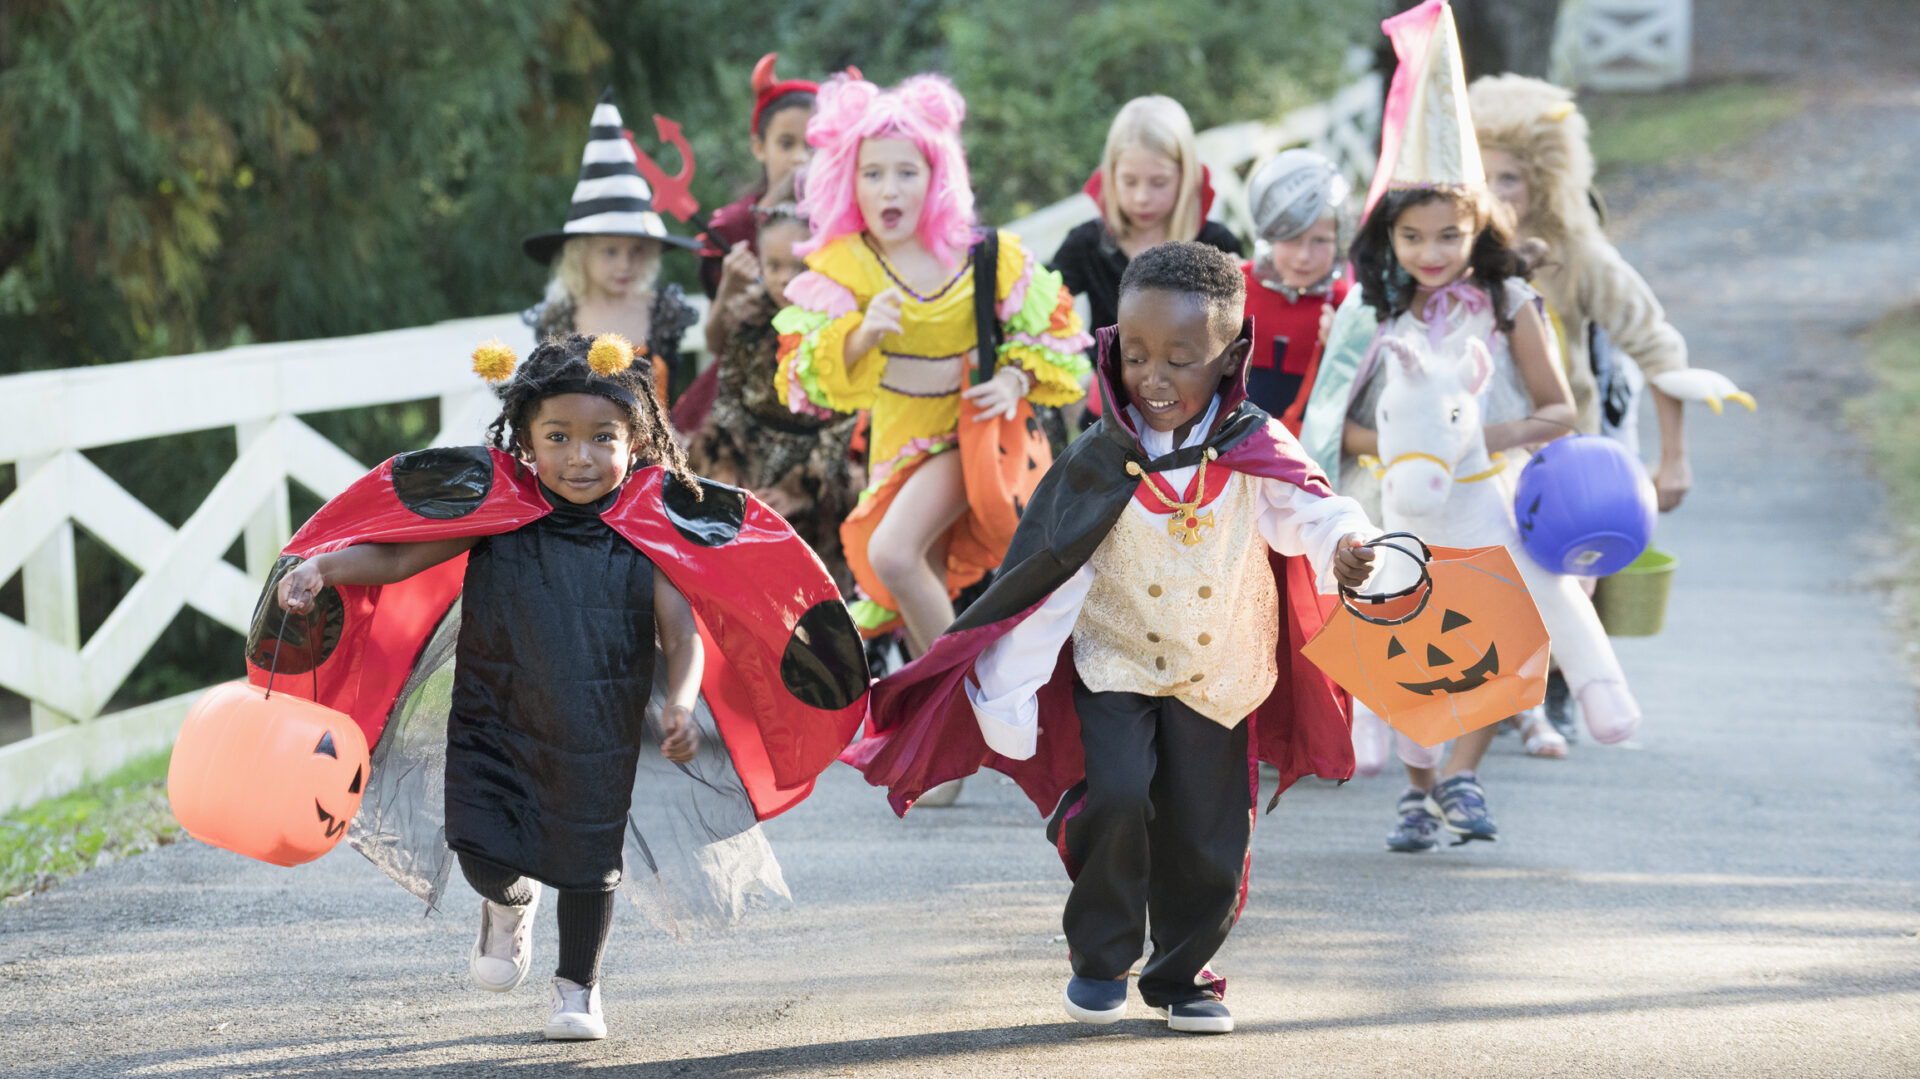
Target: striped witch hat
[{"x": 612, "y": 198}]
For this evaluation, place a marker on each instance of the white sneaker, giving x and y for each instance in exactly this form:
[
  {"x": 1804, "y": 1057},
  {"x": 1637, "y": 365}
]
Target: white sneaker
[
  {"x": 940, "y": 797},
  {"x": 576, "y": 1013},
  {"x": 504, "y": 950}
]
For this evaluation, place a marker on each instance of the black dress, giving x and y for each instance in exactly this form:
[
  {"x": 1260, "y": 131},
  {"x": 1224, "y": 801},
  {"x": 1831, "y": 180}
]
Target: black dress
[
  {"x": 1090, "y": 263},
  {"x": 551, "y": 678}
]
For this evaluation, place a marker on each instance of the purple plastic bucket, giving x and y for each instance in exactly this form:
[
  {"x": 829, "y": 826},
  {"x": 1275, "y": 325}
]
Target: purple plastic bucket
[{"x": 1584, "y": 506}]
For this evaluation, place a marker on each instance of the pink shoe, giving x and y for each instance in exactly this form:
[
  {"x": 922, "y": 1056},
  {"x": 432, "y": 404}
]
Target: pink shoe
[
  {"x": 1372, "y": 741},
  {"x": 1612, "y": 713}
]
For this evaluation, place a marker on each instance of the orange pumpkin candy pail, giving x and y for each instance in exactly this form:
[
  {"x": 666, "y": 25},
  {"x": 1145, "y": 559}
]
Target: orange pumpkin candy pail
[
  {"x": 272, "y": 776},
  {"x": 1460, "y": 650}
]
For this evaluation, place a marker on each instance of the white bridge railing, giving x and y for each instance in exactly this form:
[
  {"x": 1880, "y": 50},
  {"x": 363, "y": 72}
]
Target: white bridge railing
[{"x": 48, "y": 419}]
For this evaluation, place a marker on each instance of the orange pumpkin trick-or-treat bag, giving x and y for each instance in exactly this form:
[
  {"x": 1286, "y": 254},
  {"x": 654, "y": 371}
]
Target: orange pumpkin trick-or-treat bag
[{"x": 1462, "y": 649}]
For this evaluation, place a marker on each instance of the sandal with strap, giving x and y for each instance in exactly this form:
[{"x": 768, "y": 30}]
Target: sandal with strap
[{"x": 1538, "y": 736}]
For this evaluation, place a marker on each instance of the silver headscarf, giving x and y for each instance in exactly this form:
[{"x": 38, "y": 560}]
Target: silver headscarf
[{"x": 1294, "y": 189}]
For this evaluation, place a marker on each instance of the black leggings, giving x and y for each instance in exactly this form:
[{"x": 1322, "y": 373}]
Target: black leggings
[{"x": 585, "y": 917}]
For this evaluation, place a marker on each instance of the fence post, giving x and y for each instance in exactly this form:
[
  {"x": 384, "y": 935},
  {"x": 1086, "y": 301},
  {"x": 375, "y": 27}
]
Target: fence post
[
  {"x": 51, "y": 584},
  {"x": 269, "y": 529}
]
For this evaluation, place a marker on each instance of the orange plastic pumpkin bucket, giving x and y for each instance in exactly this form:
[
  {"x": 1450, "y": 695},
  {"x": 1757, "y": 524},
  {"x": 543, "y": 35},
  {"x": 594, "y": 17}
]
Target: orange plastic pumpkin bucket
[{"x": 274, "y": 777}]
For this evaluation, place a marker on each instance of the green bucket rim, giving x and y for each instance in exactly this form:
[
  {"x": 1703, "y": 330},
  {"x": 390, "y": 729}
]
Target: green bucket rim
[{"x": 1650, "y": 561}]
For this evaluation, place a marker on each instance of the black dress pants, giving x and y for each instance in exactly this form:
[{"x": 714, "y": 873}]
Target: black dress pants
[{"x": 1163, "y": 832}]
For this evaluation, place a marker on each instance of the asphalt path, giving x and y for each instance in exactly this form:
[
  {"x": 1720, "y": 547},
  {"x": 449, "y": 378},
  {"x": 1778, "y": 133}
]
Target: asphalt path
[{"x": 1736, "y": 892}]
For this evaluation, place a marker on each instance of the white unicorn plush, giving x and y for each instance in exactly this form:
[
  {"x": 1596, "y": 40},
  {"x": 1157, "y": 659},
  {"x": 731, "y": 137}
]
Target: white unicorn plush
[{"x": 1439, "y": 482}]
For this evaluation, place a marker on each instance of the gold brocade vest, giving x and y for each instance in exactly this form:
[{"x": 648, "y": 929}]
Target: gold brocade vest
[{"x": 1200, "y": 623}]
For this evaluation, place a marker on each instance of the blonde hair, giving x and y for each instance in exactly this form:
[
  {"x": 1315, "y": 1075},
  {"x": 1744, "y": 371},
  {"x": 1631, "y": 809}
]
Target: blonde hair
[
  {"x": 570, "y": 269},
  {"x": 1158, "y": 125}
]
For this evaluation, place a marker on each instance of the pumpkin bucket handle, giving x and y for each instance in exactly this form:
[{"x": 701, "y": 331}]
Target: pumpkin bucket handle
[
  {"x": 1423, "y": 586},
  {"x": 281, "y": 635}
]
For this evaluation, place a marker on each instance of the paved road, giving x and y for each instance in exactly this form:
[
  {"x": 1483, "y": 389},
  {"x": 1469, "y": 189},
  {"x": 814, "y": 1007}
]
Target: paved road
[{"x": 1737, "y": 893}]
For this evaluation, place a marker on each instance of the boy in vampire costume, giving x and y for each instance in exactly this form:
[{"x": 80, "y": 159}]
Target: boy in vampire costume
[
  {"x": 578, "y": 666},
  {"x": 1139, "y": 652}
]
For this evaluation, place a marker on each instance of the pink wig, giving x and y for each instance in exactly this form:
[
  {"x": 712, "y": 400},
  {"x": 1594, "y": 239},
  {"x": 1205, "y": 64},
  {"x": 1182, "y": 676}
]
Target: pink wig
[{"x": 925, "y": 110}]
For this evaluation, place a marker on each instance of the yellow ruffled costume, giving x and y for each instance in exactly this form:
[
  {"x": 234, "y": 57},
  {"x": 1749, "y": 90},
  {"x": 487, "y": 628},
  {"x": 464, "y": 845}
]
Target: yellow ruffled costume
[{"x": 912, "y": 381}]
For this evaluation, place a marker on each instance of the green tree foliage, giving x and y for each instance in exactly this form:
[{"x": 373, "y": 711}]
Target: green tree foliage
[{"x": 187, "y": 174}]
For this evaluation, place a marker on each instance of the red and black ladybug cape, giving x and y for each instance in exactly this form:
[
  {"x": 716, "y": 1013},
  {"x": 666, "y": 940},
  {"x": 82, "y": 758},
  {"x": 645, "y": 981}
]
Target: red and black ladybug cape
[
  {"x": 926, "y": 733},
  {"x": 785, "y": 682}
]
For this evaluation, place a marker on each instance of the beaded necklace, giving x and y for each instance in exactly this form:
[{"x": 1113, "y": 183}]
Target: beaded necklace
[{"x": 887, "y": 267}]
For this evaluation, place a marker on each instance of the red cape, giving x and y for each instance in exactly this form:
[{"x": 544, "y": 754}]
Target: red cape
[
  {"x": 924, "y": 730},
  {"x": 785, "y": 670}
]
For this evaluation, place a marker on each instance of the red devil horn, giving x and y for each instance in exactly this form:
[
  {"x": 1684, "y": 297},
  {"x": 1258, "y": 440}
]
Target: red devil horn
[{"x": 763, "y": 74}]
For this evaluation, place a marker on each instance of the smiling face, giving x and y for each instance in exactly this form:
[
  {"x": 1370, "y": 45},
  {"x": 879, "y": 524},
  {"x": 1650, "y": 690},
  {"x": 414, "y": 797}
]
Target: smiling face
[
  {"x": 1305, "y": 260},
  {"x": 781, "y": 143},
  {"x": 1172, "y": 357},
  {"x": 581, "y": 444},
  {"x": 890, "y": 185},
  {"x": 1434, "y": 239},
  {"x": 618, "y": 266},
  {"x": 1145, "y": 184}
]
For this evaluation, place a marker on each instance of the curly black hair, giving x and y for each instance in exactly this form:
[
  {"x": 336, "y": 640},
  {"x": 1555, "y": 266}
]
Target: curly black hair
[
  {"x": 1492, "y": 260},
  {"x": 563, "y": 359},
  {"x": 1198, "y": 269}
]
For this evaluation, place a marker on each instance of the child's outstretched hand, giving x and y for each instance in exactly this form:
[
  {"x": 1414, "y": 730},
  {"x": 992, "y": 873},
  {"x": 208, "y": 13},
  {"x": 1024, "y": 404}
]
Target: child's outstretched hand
[
  {"x": 881, "y": 318},
  {"x": 681, "y": 736},
  {"x": 299, "y": 586},
  {"x": 1352, "y": 562},
  {"x": 999, "y": 396}
]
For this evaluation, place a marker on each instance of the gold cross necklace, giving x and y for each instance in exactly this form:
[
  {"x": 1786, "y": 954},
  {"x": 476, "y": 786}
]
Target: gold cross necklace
[{"x": 1186, "y": 520}]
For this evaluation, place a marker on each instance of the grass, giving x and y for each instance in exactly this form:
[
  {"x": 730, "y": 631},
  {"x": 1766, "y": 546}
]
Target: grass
[
  {"x": 1890, "y": 419},
  {"x": 1655, "y": 129},
  {"x": 117, "y": 817}
]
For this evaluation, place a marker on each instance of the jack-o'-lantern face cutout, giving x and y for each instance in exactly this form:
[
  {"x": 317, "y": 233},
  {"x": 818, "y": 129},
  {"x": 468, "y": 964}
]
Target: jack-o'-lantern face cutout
[
  {"x": 1471, "y": 676},
  {"x": 1460, "y": 650},
  {"x": 332, "y": 823},
  {"x": 274, "y": 777}
]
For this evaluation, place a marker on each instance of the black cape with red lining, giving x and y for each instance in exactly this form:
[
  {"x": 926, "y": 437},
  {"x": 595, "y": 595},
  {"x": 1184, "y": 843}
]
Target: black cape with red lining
[
  {"x": 785, "y": 680},
  {"x": 923, "y": 730}
]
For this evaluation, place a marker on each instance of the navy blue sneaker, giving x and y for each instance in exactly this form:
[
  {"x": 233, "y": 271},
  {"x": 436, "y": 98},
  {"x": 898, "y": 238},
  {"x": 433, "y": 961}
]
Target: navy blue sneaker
[
  {"x": 1096, "y": 1000},
  {"x": 1203, "y": 1016},
  {"x": 1419, "y": 829},
  {"x": 1462, "y": 808}
]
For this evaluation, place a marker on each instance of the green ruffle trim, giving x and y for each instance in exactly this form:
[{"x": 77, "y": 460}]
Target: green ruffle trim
[
  {"x": 1036, "y": 308},
  {"x": 869, "y": 615},
  {"x": 807, "y": 324}
]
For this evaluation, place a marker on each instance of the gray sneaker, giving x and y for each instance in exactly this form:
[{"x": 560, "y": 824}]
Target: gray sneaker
[
  {"x": 1419, "y": 829},
  {"x": 1462, "y": 808}
]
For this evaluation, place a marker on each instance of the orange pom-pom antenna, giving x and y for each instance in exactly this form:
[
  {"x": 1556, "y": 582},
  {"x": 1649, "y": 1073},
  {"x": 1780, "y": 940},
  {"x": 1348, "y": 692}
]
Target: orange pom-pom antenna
[
  {"x": 610, "y": 354},
  {"x": 494, "y": 361}
]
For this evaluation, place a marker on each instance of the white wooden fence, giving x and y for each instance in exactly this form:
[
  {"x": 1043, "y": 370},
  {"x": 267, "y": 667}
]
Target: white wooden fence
[
  {"x": 1613, "y": 45},
  {"x": 47, "y": 420}
]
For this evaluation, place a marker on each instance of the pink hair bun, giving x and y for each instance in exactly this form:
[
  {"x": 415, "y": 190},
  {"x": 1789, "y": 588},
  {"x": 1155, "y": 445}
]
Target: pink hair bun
[
  {"x": 934, "y": 97},
  {"x": 838, "y": 108}
]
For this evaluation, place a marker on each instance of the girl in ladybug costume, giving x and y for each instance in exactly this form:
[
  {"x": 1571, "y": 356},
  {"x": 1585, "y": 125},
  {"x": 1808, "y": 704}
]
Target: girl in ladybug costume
[{"x": 625, "y": 703}]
